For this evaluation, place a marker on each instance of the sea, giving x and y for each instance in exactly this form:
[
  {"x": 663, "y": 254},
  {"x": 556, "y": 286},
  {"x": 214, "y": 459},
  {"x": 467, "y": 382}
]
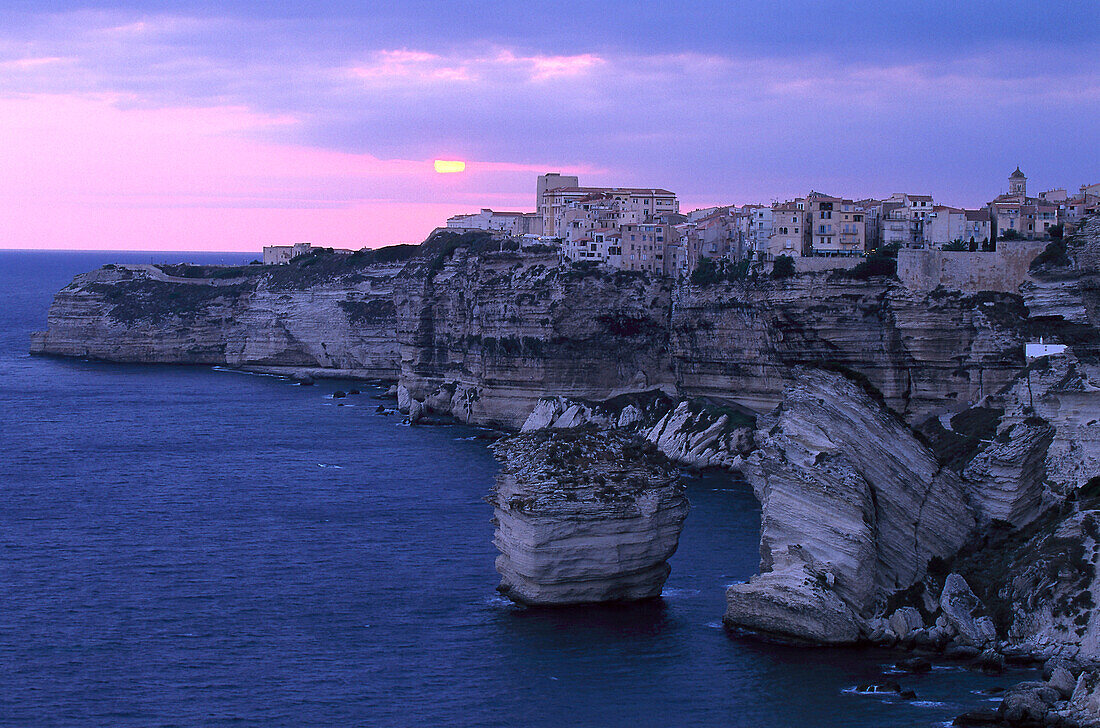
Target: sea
[{"x": 189, "y": 546}]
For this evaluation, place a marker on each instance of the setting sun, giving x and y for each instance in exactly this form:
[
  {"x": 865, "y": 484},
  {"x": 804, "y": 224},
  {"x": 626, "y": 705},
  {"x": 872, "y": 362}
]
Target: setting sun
[{"x": 444, "y": 166}]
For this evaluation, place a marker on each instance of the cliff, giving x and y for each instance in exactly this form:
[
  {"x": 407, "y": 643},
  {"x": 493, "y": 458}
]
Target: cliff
[
  {"x": 584, "y": 516},
  {"x": 485, "y": 337},
  {"x": 322, "y": 314},
  {"x": 855, "y": 504},
  {"x": 853, "y": 509},
  {"x": 926, "y": 353}
]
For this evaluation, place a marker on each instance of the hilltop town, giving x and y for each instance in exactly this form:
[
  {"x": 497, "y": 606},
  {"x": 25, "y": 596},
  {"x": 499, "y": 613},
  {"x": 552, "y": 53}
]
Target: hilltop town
[{"x": 643, "y": 229}]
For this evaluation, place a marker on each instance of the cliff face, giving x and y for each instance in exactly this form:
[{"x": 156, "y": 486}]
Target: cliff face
[
  {"x": 247, "y": 317},
  {"x": 584, "y": 517},
  {"x": 485, "y": 337},
  {"x": 925, "y": 353},
  {"x": 853, "y": 509}
]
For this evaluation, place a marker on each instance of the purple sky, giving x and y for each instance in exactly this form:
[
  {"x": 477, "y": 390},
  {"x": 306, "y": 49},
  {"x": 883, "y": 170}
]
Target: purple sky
[{"x": 229, "y": 125}]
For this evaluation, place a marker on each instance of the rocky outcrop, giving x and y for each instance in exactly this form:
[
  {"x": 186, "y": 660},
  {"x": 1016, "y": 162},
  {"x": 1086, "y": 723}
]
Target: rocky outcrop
[
  {"x": 852, "y": 505},
  {"x": 259, "y": 317},
  {"x": 926, "y": 353},
  {"x": 704, "y": 435},
  {"x": 693, "y": 433},
  {"x": 1040, "y": 583},
  {"x": 793, "y": 601},
  {"x": 503, "y": 330},
  {"x": 584, "y": 517}
]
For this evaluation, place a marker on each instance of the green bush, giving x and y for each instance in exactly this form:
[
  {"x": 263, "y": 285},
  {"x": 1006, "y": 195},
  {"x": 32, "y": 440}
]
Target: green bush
[
  {"x": 710, "y": 271},
  {"x": 784, "y": 267},
  {"x": 1055, "y": 254},
  {"x": 875, "y": 265}
]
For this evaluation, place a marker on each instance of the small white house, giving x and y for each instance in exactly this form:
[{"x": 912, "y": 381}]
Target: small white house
[{"x": 1038, "y": 349}]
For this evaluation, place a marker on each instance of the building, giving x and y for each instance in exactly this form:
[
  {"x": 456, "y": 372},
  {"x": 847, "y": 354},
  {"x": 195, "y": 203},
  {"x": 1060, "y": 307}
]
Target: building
[
  {"x": 834, "y": 227},
  {"x": 633, "y": 204},
  {"x": 788, "y": 229},
  {"x": 1027, "y": 220},
  {"x": 281, "y": 254},
  {"x": 508, "y": 223},
  {"x": 1017, "y": 184},
  {"x": 547, "y": 182},
  {"x": 978, "y": 227},
  {"x": 760, "y": 226},
  {"x": 644, "y": 247}
]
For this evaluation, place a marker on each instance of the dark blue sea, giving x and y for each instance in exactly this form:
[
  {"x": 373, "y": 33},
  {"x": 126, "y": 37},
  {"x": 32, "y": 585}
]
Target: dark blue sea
[{"x": 181, "y": 546}]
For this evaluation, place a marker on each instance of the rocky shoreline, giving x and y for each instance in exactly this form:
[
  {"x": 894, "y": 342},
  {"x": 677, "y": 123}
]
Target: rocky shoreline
[{"x": 922, "y": 485}]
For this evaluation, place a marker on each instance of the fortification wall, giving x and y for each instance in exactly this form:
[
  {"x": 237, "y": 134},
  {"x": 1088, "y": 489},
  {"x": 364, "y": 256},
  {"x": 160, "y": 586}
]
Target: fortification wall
[{"x": 1001, "y": 270}]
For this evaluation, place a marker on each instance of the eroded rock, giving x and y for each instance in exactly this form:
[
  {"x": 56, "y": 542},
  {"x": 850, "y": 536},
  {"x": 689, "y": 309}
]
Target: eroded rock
[{"x": 584, "y": 517}]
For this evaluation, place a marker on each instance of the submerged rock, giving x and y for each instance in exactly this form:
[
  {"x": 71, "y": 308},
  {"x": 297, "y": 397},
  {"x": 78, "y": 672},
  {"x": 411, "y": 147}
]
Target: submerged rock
[{"x": 584, "y": 517}]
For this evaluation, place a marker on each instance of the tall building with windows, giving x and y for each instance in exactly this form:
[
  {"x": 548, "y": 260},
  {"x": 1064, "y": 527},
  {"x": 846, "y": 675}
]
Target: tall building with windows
[{"x": 834, "y": 226}]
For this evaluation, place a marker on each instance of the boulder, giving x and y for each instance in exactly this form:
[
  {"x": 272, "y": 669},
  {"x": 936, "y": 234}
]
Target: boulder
[
  {"x": 1028, "y": 703},
  {"x": 1063, "y": 681},
  {"x": 416, "y": 411},
  {"x": 791, "y": 604},
  {"x": 439, "y": 401},
  {"x": 572, "y": 417},
  {"x": 979, "y": 717},
  {"x": 905, "y": 621},
  {"x": 404, "y": 399},
  {"x": 629, "y": 416},
  {"x": 991, "y": 662},
  {"x": 959, "y": 604},
  {"x": 542, "y": 416},
  {"x": 915, "y": 665},
  {"x": 961, "y": 653}
]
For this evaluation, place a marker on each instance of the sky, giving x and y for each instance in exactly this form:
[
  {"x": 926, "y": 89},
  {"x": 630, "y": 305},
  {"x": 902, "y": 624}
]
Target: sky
[{"x": 230, "y": 125}]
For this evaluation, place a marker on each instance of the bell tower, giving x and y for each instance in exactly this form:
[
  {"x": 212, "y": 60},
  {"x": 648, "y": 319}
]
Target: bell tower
[{"x": 1017, "y": 183}]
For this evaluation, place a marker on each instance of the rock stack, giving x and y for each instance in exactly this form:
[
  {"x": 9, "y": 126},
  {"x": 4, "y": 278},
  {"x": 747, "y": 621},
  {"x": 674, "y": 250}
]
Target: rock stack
[{"x": 584, "y": 517}]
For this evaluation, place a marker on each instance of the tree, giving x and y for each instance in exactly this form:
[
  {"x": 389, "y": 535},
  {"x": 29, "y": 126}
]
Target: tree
[
  {"x": 1011, "y": 234},
  {"x": 705, "y": 273},
  {"x": 957, "y": 246},
  {"x": 1056, "y": 231},
  {"x": 784, "y": 267}
]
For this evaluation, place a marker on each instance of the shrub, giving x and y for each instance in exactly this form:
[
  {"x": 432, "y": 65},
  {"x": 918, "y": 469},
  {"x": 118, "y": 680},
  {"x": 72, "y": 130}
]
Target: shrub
[
  {"x": 1011, "y": 234},
  {"x": 874, "y": 265},
  {"x": 1055, "y": 254},
  {"x": 784, "y": 267}
]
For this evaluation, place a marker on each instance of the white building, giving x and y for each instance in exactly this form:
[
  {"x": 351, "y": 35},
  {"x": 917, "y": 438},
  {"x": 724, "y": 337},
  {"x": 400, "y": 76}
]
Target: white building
[
  {"x": 280, "y": 254},
  {"x": 509, "y": 223}
]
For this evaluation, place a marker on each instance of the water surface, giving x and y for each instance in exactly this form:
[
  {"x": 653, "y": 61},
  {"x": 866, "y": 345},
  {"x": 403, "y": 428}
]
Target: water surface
[{"x": 182, "y": 546}]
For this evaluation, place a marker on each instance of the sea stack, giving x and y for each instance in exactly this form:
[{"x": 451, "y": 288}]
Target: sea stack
[{"x": 584, "y": 517}]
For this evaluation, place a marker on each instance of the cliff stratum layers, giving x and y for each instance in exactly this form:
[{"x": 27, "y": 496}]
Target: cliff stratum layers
[
  {"x": 883, "y": 429},
  {"x": 854, "y": 507},
  {"x": 584, "y": 517},
  {"x": 334, "y": 317}
]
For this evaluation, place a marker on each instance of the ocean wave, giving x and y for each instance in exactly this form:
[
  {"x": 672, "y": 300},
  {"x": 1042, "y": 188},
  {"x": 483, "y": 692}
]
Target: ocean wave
[{"x": 231, "y": 370}]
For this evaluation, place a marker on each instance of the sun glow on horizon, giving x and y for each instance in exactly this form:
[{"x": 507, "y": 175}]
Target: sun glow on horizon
[{"x": 449, "y": 166}]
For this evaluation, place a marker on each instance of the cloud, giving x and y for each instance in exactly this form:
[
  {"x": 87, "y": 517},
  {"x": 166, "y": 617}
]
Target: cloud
[{"x": 327, "y": 111}]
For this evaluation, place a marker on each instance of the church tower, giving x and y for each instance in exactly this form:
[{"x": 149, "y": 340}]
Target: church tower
[{"x": 1017, "y": 183}]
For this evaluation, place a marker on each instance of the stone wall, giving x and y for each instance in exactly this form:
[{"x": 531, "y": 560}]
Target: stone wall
[
  {"x": 1002, "y": 270},
  {"x": 821, "y": 264}
]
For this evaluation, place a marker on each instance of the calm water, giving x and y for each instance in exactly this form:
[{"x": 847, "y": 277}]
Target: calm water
[{"x": 183, "y": 546}]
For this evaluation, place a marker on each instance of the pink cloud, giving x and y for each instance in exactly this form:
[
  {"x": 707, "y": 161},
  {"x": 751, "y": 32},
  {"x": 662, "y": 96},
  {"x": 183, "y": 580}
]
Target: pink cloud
[{"x": 84, "y": 172}]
